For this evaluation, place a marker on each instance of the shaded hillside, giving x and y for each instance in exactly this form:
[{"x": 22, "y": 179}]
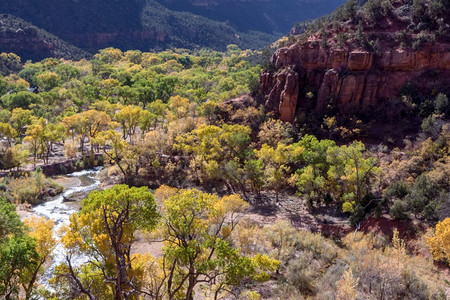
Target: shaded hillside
[
  {"x": 186, "y": 30},
  {"x": 147, "y": 24},
  {"x": 364, "y": 60},
  {"x": 31, "y": 42},
  {"x": 259, "y": 15}
]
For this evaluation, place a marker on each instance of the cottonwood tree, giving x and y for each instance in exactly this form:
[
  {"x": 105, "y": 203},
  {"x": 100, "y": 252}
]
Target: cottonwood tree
[
  {"x": 129, "y": 118},
  {"x": 276, "y": 165},
  {"x": 41, "y": 230},
  {"x": 218, "y": 153},
  {"x": 41, "y": 136},
  {"x": 48, "y": 80},
  {"x": 196, "y": 228},
  {"x": 8, "y": 133},
  {"x": 20, "y": 118},
  {"x": 351, "y": 172},
  {"x": 312, "y": 178},
  {"x": 22, "y": 253},
  {"x": 124, "y": 155},
  {"x": 87, "y": 124},
  {"x": 197, "y": 248},
  {"x": 104, "y": 232},
  {"x": 204, "y": 146}
]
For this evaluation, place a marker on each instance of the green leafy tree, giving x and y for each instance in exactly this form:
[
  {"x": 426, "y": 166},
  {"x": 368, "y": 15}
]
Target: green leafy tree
[
  {"x": 21, "y": 99},
  {"x": 67, "y": 72},
  {"x": 312, "y": 178},
  {"x": 127, "y": 95},
  {"x": 18, "y": 255},
  {"x": 351, "y": 173},
  {"x": 48, "y": 80}
]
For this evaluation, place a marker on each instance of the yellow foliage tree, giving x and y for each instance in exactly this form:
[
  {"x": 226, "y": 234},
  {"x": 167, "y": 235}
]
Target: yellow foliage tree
[
  {"x": 41, "y": 230},
  {"x": 439, "y": 243},
  {"x": 104, "y": 231},
  {"x": 346, "y": 286},
  {"x": 197, "y": 228},
  {"x": 129, "y": 117}
]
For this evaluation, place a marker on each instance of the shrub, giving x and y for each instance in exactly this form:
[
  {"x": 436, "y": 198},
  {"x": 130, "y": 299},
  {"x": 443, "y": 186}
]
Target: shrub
[
  {"x": 32, "y": 189},
  {"x": 357, "y": 216},
  {"x": 441, "y": 104},
  {"x": 428, "y": 125},
  {"x": 321, "y": 248},
  {"x": 397, "y": 189},
  {"x": 302, "y": 273},
  {"x": 399, "y": 210},
  {"x": 70, "y": 149}
]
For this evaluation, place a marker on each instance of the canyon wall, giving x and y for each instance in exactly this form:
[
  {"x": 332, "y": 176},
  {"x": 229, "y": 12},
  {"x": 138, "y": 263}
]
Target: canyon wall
[
  {"x": 32, "y": 43},
  {"x": 353, "y": 79}
]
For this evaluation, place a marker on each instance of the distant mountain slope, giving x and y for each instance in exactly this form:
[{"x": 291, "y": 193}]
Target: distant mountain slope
[
  {"x": 151, "y": 24},
  {"x": 186, "y": 30},
  {"x": 31, "y": 42},
  {"x": 269, "y": 16}
]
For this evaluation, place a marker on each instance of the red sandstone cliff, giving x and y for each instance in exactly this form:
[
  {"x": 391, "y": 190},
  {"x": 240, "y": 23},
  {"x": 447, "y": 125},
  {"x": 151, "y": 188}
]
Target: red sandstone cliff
[
  {"x": 332, "y": 64},
  {"x": 354, "y": 79}
]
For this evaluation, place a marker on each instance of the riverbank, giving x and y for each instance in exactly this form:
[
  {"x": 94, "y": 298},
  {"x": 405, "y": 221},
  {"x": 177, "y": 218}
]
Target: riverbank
[
  {"x": 77, "y": 186},
  {"x": 60, "y": 167}
]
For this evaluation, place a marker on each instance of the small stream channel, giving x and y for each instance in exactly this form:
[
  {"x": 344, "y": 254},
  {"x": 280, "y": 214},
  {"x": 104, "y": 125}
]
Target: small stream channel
[{"x": 59, "y": 212}]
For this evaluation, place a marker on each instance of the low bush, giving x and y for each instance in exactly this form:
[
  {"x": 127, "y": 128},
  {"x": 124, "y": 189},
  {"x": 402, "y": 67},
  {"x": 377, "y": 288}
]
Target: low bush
[{"x": 32, "y": 189}]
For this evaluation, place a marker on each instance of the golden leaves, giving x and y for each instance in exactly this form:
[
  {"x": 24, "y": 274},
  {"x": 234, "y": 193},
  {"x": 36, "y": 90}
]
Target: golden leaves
[{"x": 439, "y": 243}]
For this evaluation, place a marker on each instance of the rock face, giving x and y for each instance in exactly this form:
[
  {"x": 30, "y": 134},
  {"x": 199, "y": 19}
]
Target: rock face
[
  {"x": 352, "y": 79},
  {"x": 31, "y": 42},
  {"x": 72, "y": 165},
  {"x": 23, "y": 40}
]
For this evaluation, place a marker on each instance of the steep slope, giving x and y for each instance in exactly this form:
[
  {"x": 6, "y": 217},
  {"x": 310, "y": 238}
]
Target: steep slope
[
  {"x": 186, "y": 30},
  {"x": 360, "y": 58},
  {"x": 30, "y": 42},
  {"x": 150, "y": 24},
  {"x": 267, "y": 16}
]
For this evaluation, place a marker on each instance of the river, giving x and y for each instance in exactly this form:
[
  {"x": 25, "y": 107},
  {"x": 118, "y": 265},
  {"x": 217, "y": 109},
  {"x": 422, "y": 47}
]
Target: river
[{"x": 59, "y": 212}]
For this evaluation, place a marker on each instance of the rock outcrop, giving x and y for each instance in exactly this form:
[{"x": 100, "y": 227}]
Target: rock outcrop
[
  {"x": 31, "y": 42},
  {"x": 353, "y": 79},
  {"x": 25, "y": 39}
]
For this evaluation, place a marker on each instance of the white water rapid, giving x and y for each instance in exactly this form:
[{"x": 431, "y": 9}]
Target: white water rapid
[{"x": 59, "y": 212}]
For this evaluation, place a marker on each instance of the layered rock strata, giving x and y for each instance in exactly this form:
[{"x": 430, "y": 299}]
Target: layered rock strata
[{"x": 353, "y": 79}]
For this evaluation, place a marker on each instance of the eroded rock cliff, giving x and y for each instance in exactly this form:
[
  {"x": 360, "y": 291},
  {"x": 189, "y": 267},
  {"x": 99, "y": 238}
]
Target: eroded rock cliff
[
  {"x": 358, "y": 59},
  {"x": 354, "y": 79}
]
